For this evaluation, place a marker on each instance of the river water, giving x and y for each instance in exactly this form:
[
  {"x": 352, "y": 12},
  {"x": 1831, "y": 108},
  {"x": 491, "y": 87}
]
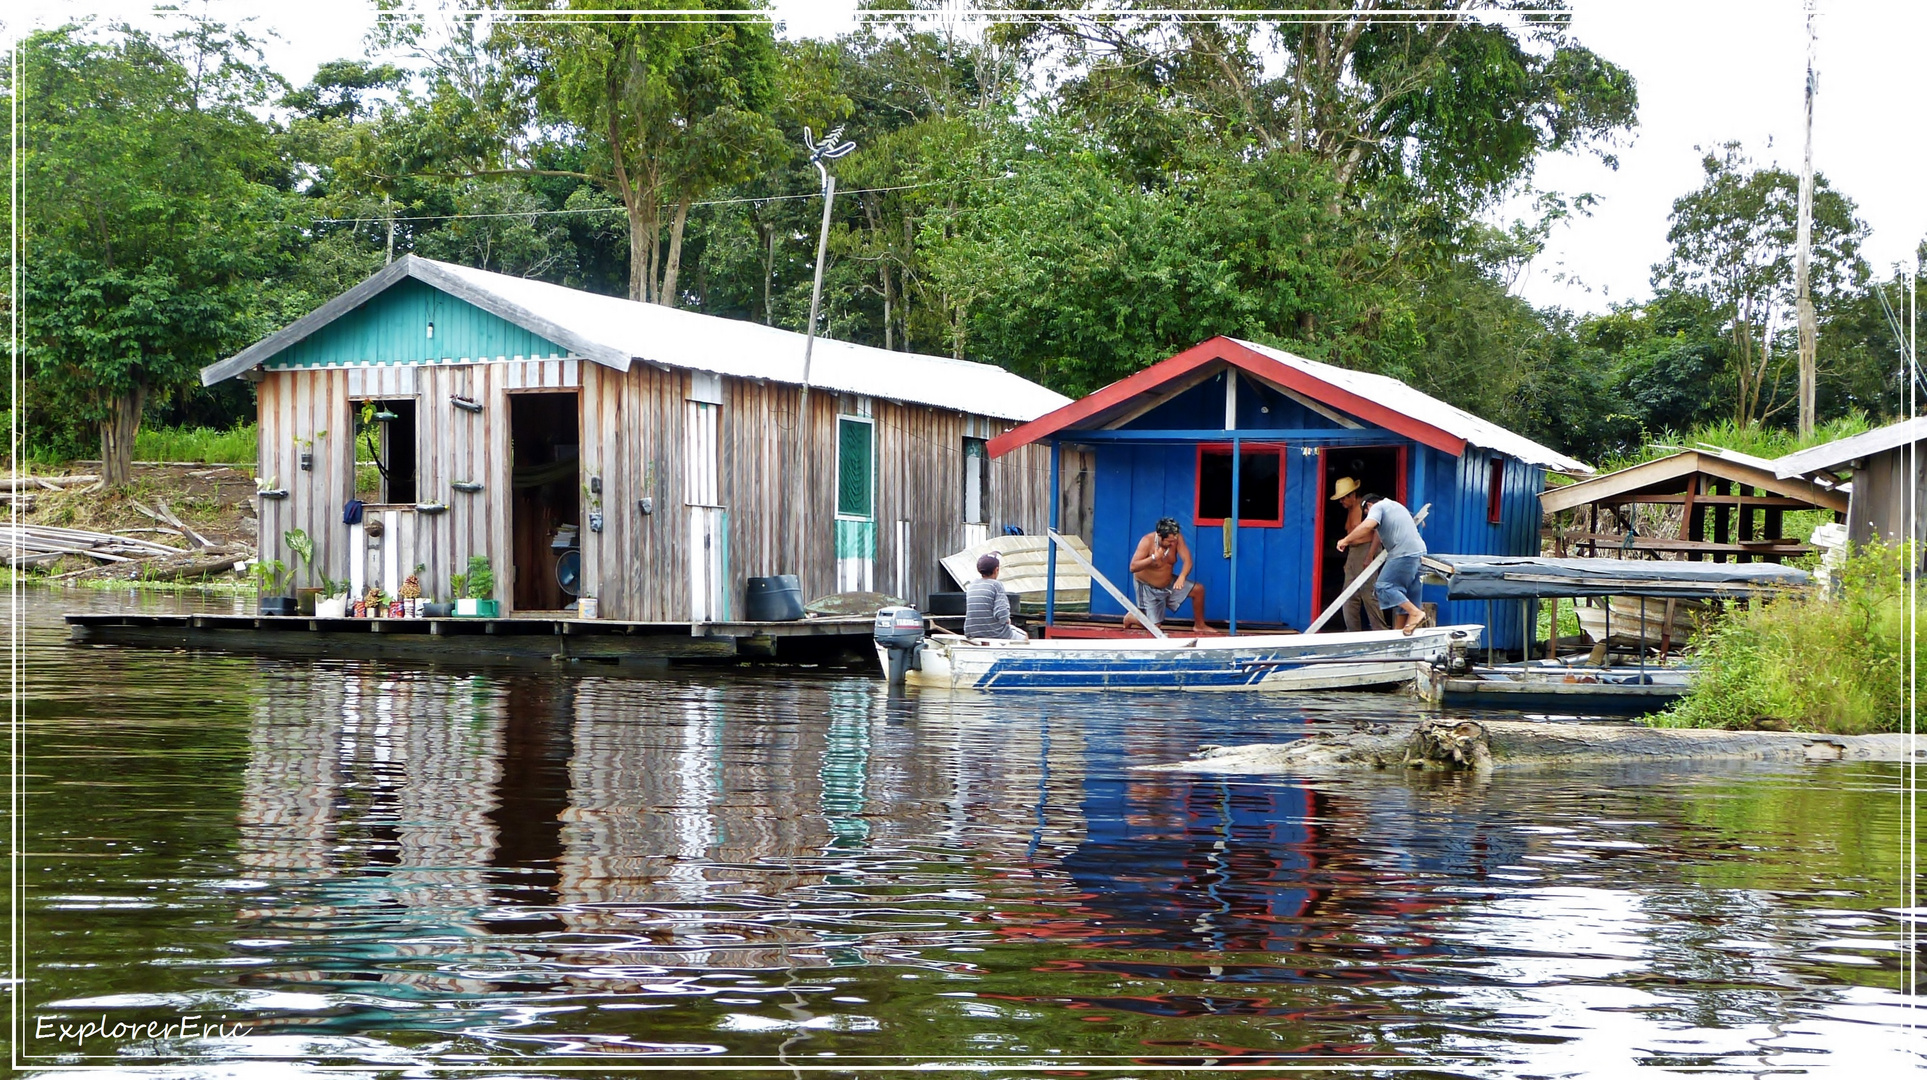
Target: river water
[{"x": 234, "y": 862}]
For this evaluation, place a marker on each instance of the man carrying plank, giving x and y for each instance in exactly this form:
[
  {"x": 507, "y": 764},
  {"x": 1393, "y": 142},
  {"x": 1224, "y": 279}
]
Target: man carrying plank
[{"x": 1398, "y": 580}]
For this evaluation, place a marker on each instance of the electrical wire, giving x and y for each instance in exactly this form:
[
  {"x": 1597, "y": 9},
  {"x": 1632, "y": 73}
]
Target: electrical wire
[{"x": 617, "y": 209}]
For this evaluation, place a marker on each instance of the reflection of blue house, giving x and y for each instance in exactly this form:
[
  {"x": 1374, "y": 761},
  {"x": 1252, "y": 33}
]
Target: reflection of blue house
[{"x": 1161, "y": 443}]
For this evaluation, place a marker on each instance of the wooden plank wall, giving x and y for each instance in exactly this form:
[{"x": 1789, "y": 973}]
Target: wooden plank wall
[
  {"x": 780, "y": 497},
  {"x": 454, "y": 445},
  {"x": 301, "y": 404}
]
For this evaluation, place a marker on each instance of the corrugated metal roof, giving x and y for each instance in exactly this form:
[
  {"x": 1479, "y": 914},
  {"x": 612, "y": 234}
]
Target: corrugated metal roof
[
  {"x": 1829, "y": 456},
  {"x": 614, "y": 332},
  {"x": 1399, "y": 397}
]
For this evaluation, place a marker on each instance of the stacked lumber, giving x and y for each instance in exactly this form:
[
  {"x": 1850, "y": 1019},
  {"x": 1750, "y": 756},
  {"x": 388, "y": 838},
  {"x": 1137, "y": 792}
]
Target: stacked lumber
[{"x": 27, "y": 545}]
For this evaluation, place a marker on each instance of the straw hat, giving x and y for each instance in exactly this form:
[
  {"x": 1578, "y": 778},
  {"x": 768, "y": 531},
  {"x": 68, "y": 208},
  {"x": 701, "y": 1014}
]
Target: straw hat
[{"x": 1345, "y": 486}]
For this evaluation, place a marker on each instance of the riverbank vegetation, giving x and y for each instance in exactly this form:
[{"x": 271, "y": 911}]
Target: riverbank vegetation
[
  {"x": 1073, "y": 194},
  {"x": 1834, "y": 662}
]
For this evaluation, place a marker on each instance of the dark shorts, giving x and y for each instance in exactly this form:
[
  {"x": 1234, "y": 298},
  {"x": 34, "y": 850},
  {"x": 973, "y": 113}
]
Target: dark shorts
[{"x": 1397, "y": 582}]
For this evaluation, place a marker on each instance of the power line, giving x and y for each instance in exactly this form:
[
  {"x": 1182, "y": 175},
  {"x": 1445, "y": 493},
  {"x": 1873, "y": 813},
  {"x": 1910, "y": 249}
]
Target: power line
[{"x": 616, "y": 209}]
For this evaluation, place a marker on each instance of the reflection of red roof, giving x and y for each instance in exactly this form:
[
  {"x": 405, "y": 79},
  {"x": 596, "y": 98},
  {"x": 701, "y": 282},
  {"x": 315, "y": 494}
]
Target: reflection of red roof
[{"x": 1376, "y": 399}]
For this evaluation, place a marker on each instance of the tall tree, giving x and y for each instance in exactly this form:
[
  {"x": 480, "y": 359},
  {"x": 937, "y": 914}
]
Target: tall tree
[
  {"x": 665, "y": 106},
  {"x": 1733, "y": 245},
  {"x": 152, "y": 210}
]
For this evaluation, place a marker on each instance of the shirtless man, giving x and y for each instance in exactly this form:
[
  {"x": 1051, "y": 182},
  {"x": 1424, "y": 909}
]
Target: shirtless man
[{"x": 1162, "y": 587}]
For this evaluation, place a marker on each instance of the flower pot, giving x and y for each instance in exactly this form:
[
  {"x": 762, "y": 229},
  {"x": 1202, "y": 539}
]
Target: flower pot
[
  {"x": 278, "y": 605},
  {"x": 307, "y": 461},
  {"x": 488, "y": 609},
  {"x": 359, "y": 609},
  {"x": 437, "y": 611},
  {"x": 306, "y": 599},
  {"x": 332, "y": 607},
  {"x": 468, "y": 608}
]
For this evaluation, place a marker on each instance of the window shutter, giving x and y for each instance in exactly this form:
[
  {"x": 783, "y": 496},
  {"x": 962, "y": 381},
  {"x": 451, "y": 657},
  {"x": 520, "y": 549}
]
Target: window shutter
[{"x": 853, "y": 468}]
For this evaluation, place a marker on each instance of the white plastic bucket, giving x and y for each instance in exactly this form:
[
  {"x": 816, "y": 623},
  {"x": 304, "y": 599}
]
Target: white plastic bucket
[{"x": 585, "y": 607}]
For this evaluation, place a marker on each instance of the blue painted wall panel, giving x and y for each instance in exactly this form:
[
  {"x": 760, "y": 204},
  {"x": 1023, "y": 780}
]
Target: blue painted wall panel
[
  {"x": 1138, "y": 483},
  {"x": 392, "y": 328}
]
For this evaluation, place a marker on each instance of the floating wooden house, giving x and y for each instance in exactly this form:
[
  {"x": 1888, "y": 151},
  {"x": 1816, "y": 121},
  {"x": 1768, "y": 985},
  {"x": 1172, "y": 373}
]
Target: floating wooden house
[
  {"x": 1888, "y": 467},
  {"x": 677, "y": 454},
  {"x": 1162, "y": 442}
]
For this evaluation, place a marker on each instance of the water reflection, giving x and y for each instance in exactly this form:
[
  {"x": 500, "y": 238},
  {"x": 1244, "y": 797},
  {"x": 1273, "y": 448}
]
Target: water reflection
[{"x": 408, "y": 865}]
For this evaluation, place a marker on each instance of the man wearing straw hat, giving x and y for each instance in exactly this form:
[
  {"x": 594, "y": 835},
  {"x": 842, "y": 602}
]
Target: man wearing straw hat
[{"x": 1362, "y": 608}]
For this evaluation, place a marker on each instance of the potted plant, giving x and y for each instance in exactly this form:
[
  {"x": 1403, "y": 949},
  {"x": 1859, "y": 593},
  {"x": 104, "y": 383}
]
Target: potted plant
[
  {"x": 302, "y": 545},
  {"x": 306, "y": 448},
  {"x": 333, "y": 602},
  {"x": 271, "y": 578},
  {"x": 477, "y": 597}
]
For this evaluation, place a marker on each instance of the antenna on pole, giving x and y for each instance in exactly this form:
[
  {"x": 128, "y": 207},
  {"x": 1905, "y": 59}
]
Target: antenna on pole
[
  {"x": 831, "y": 148},
  {"x": 1804, "y": 302}
]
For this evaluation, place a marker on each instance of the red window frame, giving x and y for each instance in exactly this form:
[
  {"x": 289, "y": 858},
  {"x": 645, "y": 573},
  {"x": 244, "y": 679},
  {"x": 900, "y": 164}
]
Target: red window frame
[
  {"x": 1495, "y": 490},
  {"x": 1197, "y": 483}
]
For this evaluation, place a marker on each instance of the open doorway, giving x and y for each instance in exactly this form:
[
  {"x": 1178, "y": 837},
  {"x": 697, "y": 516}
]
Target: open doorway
[
  {"x": 545, "y": 442},
  {"x": 1378, "y": 470}
]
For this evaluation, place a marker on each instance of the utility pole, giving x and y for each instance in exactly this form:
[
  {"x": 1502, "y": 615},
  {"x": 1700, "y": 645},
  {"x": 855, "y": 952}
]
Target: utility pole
[
  {"x": 1805, "y": 298},
  {"x": 388, "y": 208},
  {"x": 829, "y": 149}
]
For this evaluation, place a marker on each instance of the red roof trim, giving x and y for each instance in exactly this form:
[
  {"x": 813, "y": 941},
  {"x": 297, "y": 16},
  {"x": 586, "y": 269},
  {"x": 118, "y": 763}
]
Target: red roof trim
[{"x": 1231, "y": 352}]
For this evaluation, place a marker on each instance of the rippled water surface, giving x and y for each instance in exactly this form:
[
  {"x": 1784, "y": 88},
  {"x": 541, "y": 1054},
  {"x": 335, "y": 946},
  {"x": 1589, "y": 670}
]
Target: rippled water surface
[{"x": 356, "y": 864}]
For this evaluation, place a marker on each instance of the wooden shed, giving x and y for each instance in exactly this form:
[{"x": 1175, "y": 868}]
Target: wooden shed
[
  {"x": 1889, "y": 477},
  {"x": 683, "y": 453},
  {"x": 1162, "y": 442},
  {"x": 1723, "y": 506}
]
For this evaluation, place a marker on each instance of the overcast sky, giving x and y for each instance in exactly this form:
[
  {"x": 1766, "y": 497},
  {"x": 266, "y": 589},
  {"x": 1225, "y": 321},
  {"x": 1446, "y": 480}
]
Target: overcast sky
[{"x": 1708, "y": 71}]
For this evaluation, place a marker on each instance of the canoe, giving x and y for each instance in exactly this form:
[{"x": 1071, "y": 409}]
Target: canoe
[{"x": 1373, "y": 658}]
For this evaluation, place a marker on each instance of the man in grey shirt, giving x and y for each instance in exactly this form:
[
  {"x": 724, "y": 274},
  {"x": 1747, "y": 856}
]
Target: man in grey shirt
[
  {"x": 987, "y": 604},
  {"x": 1398, "y": 581}
]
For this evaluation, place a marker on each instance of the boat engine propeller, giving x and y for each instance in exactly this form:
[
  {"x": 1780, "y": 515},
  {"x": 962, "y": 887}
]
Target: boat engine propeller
[{"x": 899, "y": 638}]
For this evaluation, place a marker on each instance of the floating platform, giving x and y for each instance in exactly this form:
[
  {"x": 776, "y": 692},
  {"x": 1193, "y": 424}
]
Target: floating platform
[
  {"x": 1561, "y": 690},
  {"x": 471, "y": 641}
]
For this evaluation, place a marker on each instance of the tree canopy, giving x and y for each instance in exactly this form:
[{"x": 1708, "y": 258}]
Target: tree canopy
[{"x": 1073, "y": 192}]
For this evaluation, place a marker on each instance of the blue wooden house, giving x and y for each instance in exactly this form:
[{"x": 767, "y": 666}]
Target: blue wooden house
[{"x": 1163, "y": 441}]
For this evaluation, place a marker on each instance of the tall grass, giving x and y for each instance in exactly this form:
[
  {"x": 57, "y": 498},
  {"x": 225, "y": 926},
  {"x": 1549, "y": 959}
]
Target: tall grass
[
  {"x": 1832, "y": 663},
  {"x": 238, "y": 445}
]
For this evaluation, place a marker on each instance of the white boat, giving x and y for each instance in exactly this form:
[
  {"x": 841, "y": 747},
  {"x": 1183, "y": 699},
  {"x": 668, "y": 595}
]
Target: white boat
[{"x": 1261, "y": 662}]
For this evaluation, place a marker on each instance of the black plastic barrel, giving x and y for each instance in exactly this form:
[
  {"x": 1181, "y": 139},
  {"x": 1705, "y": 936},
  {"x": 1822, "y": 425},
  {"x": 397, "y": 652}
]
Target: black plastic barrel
[{"x": 778, "y": 598}]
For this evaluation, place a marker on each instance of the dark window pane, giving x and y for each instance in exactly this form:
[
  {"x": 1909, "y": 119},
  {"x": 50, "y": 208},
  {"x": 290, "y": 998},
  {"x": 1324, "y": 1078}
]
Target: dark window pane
[{"x": 1258, "y": 488}]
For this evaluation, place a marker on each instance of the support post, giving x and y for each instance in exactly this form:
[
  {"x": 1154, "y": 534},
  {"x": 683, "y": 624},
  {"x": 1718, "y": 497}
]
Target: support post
[
  {"x": 1237, "y": 473},
  {"x": 1050, "y": 550}
]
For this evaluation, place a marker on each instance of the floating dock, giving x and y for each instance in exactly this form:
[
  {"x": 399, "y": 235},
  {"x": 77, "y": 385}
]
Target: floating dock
[{"x": 472, "y": 641}]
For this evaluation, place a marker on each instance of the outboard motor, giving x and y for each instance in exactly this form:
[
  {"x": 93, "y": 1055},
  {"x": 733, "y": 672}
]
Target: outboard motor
[{"x": 899, "y": 639}]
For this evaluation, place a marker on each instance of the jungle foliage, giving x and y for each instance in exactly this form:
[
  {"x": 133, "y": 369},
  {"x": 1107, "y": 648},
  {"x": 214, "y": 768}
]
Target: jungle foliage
[
  {"x": 1835, "y": 662},
  {"x": 1073, "y": 193}
]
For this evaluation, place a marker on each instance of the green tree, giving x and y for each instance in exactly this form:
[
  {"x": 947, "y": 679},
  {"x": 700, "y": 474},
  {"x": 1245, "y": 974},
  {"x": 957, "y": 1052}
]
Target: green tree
[
  {"x": 153, "y": 208},
  {"x": 1733, "y": 246},
  {"x": 665, "y": 107}
]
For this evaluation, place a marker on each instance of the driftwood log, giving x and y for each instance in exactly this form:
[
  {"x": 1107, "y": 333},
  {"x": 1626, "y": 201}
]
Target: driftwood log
[{"x": 1509, "y": 744}]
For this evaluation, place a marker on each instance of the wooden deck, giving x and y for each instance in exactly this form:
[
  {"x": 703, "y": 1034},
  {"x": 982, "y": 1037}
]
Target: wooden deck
[{"x": 470, "y": 641}]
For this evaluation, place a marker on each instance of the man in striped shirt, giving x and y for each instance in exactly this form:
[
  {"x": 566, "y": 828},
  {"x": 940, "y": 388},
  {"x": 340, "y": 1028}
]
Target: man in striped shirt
[{"x": 987, "y": 604}]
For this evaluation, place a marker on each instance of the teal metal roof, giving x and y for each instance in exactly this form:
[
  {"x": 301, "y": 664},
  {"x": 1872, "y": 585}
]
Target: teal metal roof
[{"x": 412, "y": 322}]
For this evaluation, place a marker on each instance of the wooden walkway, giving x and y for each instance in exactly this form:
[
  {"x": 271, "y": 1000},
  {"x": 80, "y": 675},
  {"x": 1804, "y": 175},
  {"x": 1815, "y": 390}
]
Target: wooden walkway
[{"x": 470, "y": 641}]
